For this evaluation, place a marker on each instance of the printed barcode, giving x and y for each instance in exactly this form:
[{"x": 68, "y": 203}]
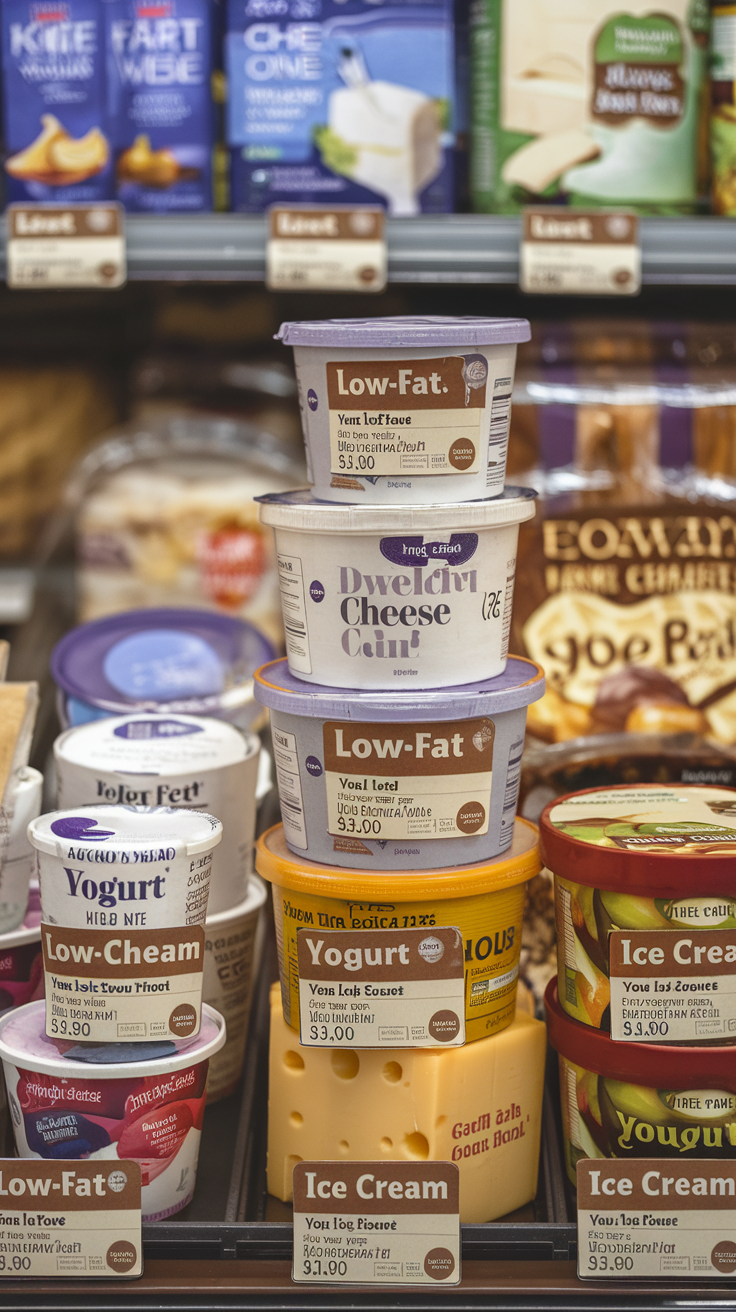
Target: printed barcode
[
  {"x": 512, "y": 782},
  {"x": 508, "y": 606},
  {"x": 500, "y": 418},
  {"x": 296, "y": 627}
]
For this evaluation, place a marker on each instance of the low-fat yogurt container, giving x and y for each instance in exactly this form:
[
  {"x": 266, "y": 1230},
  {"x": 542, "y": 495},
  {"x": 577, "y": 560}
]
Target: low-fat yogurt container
[
  {"x": 229, "y": 959},
  {"x": 484, "y": 901},
  {"x": 640, "y": 857},
  {"x": 406, "y": 410},
  {"x": 638, "y": 1099},
  {"x": 402, "y": 597},
  {"x": 70, "y": 1100},
  {"x": 16, "y": 859},
  {"x": 190, "y": 662},
  {"x": 181, "y": 761},
  {"x": 399, "y": 781}
]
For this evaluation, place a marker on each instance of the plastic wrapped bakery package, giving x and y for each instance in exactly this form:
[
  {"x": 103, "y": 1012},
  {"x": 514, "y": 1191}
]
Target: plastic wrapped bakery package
[{"x": 164, "y": 516}]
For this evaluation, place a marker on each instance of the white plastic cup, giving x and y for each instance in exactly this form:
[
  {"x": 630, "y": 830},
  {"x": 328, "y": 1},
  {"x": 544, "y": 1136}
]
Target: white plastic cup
[
  {"x": 16, "y": 862},
  {"x": 229, "y": 947}
]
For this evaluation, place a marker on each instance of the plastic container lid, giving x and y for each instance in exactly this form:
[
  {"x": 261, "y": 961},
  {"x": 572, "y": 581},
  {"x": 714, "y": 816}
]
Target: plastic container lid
[
  {"x": 24, "y": 1042},
  {"x": 150, "y": 743},
  {"x": 659, "y": 1066},
  {"x": 189, "y": 660},
  {"x": 521, "y": 683},
  {"x": 649, "y": 840},
  {"x": 278, "y": 864},
  {"x": 253, "y": 901},
  {"x": 188, "y": 832},
  {"x": 300, "y": 510},
  {"x": 405, "y": 331}
]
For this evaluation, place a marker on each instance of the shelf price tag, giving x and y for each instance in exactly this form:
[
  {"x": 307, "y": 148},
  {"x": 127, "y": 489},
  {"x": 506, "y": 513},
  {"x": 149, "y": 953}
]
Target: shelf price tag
[
  {"x": 673, "y": 987},
  {"x": 65, "y": 246},
  {"x": 70, "y": 1219},
  {"x": 656, "y": 1217},
  {"x": 377, "y": 1223},
  {"x": 568, "y": 252},
  {"x": 338, "y": 248},
  {"x": 382, "y": 988}
]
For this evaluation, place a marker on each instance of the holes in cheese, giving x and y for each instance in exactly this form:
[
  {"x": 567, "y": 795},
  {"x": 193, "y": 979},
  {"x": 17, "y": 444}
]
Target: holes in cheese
[
  {"x": 417, "y": 1145},
  {"x": 344, "y": 1146},
  {"x": 345, "y": 1063},
  {"x": 296, "y": 1119},
  {"x": 293, "y": 1061},
  {"x": 392, "y": 1072},
  {"x": 386, "y": 1144}
]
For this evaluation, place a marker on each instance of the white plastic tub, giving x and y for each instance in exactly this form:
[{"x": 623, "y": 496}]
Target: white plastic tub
[
  {"x": 229, "y": 950},
  {"x": 411, "y": 411},
  {"x": 16, "y": 862},
  {"x": 404, "y": 598}
]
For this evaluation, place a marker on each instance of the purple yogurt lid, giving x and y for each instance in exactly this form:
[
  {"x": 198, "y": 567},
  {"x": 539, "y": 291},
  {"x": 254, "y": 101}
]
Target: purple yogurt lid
[
  {"x": 521, "y": 683},
  {"x": 151, "y": 658},
  {"x": 405, "y": 331}
]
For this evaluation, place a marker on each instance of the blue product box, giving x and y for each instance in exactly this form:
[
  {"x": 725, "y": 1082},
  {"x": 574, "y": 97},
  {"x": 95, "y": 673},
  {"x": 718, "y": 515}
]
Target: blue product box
[
  {"x": 57, "y": 146},
  {"x": 160, "y": 57},
  {"x": 341, "y": 102}
]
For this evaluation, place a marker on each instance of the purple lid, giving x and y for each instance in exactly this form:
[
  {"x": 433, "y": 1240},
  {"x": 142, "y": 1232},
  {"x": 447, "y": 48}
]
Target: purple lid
[
  {"x": 405, "y": 330},
  {"x": 152, "y": 658},
  {"x": 522, "y": 682}
]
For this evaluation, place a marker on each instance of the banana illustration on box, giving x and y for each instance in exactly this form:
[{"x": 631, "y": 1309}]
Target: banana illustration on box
[{"x": 59, "y": 159}]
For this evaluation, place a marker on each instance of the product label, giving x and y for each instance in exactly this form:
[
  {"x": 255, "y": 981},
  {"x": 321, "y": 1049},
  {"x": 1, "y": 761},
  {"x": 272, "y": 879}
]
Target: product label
[
  {"x": 60, "y": 1221},
  {"x": 576, "y": 252},
  {"x": 286, "y": 761},
  {"x": 326, "y": 249},
  {"x": 392, "y": 1223},
  {"x": 291, "y": 584},
  {"x": 66, "y": 246},
  {"x": 638, "y": 63},
  {"x": 673, "y": 988},
  {"x": 107, "y": 986},
  {"x": 636, "y": 1219},
  {"x": 381, "y": 989},
  {"x": 684, "y": 820}
]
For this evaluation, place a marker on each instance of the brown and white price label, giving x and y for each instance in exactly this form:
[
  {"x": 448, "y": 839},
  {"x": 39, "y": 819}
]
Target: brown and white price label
[
  {"x": 673, "y": 987},
  {"x": 66, "y": 245},
  {"x": 656, "y": 1217},
  {"x": 389, "y": 1223},
  {"x": 579, "y": 252},
  {"x": 382, "y": 988},
  {"x": 70, "y": 1218},
  {"x": 336, "y": 248}
]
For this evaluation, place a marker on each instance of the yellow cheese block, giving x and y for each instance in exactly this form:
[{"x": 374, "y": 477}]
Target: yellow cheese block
[{"x": 480, "y": 1106}]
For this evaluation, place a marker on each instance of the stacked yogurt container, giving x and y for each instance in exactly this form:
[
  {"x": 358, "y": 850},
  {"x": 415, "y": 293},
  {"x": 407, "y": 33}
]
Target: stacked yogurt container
[{"x": 398, "y": 717}]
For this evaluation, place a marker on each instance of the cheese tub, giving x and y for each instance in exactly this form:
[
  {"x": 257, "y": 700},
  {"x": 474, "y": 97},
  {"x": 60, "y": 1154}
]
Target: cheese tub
[
  {"x": 485, "y": 902},
  {"x": 405, "y": 410},
  {"x": 380, "y": 597},
  {"x": 640, "y": 857},
  {"x": 399, "y": 782},
  {"x": 229, "y": 952},
  {"x": 115, "y": 1101},
  {"x": 181, "y": 761},
  {"x": 638, "y": 1099},
  {"x": 16, "y": 861}
]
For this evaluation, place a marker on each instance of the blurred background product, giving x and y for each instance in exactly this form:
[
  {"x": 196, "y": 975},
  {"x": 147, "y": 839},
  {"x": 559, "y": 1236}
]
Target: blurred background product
[{"x": 723, "y": 112}]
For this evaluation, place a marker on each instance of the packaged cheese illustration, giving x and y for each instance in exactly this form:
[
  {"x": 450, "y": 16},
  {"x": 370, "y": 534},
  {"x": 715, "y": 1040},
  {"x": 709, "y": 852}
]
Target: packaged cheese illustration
[{"x": 54, "y": 101}]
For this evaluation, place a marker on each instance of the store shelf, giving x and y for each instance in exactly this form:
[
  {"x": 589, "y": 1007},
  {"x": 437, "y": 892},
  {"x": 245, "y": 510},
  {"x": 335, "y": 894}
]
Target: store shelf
[{"x": 448, "y": 248}]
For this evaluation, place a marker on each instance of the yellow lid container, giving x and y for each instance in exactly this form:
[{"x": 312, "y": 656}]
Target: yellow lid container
[{"x": 485, "y": 902}]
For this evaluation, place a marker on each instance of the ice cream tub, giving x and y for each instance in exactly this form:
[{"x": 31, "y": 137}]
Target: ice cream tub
[
  {"x": 16, "y": 861},
  {"x": 639, "y": 857},
  {"x": 229, "y": 957},
  {"x": 484, "y": 901},
  {"x": 381, "y": 597},
  {"x": 188, "y": 662},
  {"x": 76, "y": 1101},
  {"x": 389, "y": 781},
  {"x": 406, "y": 410},
  {"x": 639, "y": 1099},
  {"x": 180, "y": 761}
]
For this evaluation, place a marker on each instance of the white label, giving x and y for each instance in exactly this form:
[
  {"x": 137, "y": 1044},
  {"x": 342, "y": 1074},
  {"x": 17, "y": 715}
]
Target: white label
[
  {"x": 291, "y": 583},
  {"x": 66, "y": 246},
  {"x": 70, "y": 1219},
  {"x": 566, "y": 252},
  {"x": 286, "y": 761},
  {"x": 673, "y": 986},
  {"x": 326, "y": 249},
  {"x": 649, "y": 1218}
]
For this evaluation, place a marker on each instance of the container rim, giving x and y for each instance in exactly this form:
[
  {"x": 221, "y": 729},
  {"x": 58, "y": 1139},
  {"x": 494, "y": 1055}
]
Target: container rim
[
  {"x": 404, "y": 332},
  {"x": 244, "y": 742},
  {"x": 300, "y": 510},
  {"x": 52, "y": 845}
]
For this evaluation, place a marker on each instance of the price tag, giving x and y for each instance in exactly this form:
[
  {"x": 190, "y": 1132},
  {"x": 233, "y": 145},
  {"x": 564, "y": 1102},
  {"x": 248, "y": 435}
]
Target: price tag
[
  {"x": 673, "y": 987},
  {"x": 580, "y": 252},
  {"x": 656, "y": 1217},
  {"x": 378, "y": 1223},
  {"x": 70, "y": 1218},
  {"x": 337, "y": 248},
  {"x": 381, "y": 988},
  {"x": 66, "y": 245}
]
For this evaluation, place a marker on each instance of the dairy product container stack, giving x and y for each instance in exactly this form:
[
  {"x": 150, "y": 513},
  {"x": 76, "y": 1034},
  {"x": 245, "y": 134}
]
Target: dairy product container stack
[{"x": 398, "y": 720}]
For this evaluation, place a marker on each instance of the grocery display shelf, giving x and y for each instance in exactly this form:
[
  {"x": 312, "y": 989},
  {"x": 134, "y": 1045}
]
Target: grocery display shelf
[{"x": 446, "y": 248}]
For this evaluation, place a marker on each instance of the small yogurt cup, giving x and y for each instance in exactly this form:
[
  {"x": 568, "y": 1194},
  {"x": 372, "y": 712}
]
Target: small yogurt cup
[
  {"x": 144, "y": 1102},
  {"x": 375, "y": 597},
  {"x": 411, "y": 411},
  {"x": 484, "y": 901},
  {"x": 101, "y": 865},
  {"x": 16, "y": 862},
  {"x": 638, "y": 857},
  {"x": 639, "y": 1099},
  {"x": 229, "y": 951},
  {"x": 399, "y": 781},
  {"x": 190, "y": 662},
  {"x": 181, "y": 761}
]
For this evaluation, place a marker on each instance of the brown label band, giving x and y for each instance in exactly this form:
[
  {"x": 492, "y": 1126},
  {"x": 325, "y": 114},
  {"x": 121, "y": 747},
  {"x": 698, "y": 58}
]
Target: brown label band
[
  {"x": 58, "y": 221},
  {"x": 447, "y": 747},
  {"x": 450, "y": 382},
  {"x": 656, "y": 1185},
  {"x": 122, "y": 953},
  {"x": 362, "y": 223},
  {"x": 679, "y": 952},
  {"x": 69, "y": 1186},
  {"x": 394, "y": 956},
  {"x": 551, "y": 224},
  {"x": 401, "y": 1188}
]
